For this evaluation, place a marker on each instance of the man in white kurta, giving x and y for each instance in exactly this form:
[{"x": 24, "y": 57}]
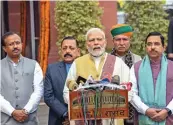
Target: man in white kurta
[{"x": 92, "y": 64}]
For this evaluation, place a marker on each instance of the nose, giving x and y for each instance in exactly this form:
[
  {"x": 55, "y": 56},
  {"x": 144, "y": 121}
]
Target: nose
[
  {"x": 15, "y": 45},
  {"x": 152, "y": 46},
  {"x": 96, "y": 42},
  {"x": 121, "y": 42},
  {"x": 68, "y": 50}
]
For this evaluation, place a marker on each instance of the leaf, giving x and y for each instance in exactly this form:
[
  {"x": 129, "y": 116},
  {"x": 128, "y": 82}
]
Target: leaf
[
  {"x": 145, "y": 17},
  {"x": 75, "y": 18}
]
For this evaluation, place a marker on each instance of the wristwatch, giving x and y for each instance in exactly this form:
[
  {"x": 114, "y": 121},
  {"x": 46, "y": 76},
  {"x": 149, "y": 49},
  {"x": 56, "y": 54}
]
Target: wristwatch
[
  {"x": 26, "y": 112},
  {"x": 169, "y": 111},
  {"x": 65, "y": 115}
]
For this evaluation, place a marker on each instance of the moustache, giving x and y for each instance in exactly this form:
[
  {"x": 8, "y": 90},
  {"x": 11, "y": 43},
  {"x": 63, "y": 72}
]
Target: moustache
[
  {"x": 153, "y": 51},
  {"x": 67, "y": 54},
  {"x": 120, "y": 47},
  {"x": 97, "y": 48},
  {"x": 15, "y": 49}
]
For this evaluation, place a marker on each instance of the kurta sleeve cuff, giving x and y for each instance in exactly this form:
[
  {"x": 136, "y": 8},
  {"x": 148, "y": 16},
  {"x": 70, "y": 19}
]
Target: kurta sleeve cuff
[
  {"x": 139, "y": 105},
  {"x": 28, "y": 109},
  {"x": 144, "y": 109},
  {"x": 170, "y": 106},
  {"x": 5, "y": 106},
  {"x": 10, "y": 111}
]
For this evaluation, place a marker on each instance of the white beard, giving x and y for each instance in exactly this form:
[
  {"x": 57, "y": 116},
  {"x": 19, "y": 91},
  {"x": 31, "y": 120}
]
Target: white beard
[{"x": 96, "y": 53}]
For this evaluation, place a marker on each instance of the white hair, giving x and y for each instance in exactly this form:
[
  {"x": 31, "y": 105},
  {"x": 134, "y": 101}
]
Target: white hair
[{"x": 94, "y": 30}]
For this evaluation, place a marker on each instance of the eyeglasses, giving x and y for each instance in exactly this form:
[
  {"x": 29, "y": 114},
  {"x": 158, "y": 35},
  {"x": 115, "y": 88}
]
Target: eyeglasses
[
  {"x": 149, "y": 44},
  {"x": 95, "y": 39},
  {"x": 14, "y": 43},
  {"x": 119, "y": 39}
]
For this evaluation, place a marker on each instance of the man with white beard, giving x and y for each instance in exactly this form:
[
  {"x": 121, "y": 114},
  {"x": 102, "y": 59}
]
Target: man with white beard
[{"x": 97, "y": 63}]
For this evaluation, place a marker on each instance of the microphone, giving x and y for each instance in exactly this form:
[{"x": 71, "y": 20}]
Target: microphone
[
  {"x": 115, "y": 80},
  {"x": 72, "y": 85},
  {"x": 105, "y": 80},
  {"x": 127, "y": 85},
  {"x": 106, "y": 77},
  {"x": 80, "y": 79}
]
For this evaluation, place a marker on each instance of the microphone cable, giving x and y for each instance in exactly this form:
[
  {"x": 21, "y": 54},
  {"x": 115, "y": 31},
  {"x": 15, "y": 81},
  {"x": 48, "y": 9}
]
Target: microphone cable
[
  {"x": 79, "y": 95},
  {"x": 96, "y": 106},
  {"x": 101, "y": 96},
  {"x": 114, "y": 107},
  {"x": 83, "y": 104}
]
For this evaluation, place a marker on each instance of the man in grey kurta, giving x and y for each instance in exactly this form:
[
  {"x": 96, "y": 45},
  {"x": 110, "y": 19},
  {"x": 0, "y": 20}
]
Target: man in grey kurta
[
  {"x": 152, "y": 84},
  {"x": 21, "y": 84}
]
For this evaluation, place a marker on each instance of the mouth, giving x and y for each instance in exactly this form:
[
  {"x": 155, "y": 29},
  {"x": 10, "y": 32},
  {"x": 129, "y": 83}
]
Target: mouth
[
  {"x": 67, "y": 56},
  {"x": 121, "y": 47},
  {"x": 153, "y": 52},
  {"x": 15, "y": 51},
  {"x": 96, "y": 48}
]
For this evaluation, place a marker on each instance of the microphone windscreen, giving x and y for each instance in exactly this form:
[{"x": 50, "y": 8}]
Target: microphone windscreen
[
  {"x": 72, "y": 85},
  {"x": 104, "y": 80},
  {"x": 127, "y": 85},
  {"x": 80, "y": 79},
  {"x": 106, "y": 76},
  {"x": 115, "y": 79}
]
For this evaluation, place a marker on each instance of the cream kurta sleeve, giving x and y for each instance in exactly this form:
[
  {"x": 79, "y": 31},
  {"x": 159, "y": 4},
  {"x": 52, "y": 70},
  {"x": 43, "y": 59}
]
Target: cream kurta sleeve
[
  {"x": 70, "y": 76},
  {"x": 122, "y": 70},
  {"x": 136, "y": 100}
]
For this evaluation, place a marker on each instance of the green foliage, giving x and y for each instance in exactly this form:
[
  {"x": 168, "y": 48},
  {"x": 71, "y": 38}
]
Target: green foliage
[
  {"x": 145, "y": 17},
  {"x": 75, "y": 18}
]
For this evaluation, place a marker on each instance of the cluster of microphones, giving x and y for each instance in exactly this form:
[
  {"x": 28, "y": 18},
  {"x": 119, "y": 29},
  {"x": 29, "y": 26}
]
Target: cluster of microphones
[{"x": 104, "y": 84}]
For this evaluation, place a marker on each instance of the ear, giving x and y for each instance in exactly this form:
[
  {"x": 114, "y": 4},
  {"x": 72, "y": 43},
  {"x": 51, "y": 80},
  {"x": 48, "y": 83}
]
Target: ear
[
  {"x": 79, "y": 52},
  {"x": 60, "y": 52},
  {"x": 145, "y": 49},
  {"x": 4, "y": 48},
  {"x": 164, "y": 48},
  {"x": 112, "y": 40},
  {"x": 86, "y": 45},
  {"x": 106, "y": 42}
]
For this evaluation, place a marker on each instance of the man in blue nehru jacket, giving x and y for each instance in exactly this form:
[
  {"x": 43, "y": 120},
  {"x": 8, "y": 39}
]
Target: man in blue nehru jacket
[{"x": 54, "y": 82}]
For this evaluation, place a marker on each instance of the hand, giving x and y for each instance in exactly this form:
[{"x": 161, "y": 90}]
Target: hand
[
  {"x": 170, "y": 55},
  {"x": 152, "y": 112},
  {"x": 160, "y": 116},
  {"x": 19, "y": 115},
  {"x": 66, "y": 122}
]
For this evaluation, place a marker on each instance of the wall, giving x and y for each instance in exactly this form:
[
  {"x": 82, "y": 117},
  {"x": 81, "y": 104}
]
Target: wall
[{"x": 108, "y": 19}]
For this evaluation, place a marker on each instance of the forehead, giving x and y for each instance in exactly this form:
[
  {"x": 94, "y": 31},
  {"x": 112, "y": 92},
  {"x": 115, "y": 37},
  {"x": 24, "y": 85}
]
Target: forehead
[
  {"x": 69, "y": 42},
  {"x": 95, "y": 35},
  {"x": 121, "y": 36},
  {"x": 12, "y": 38},
  {"x": 154, "y": 39}
]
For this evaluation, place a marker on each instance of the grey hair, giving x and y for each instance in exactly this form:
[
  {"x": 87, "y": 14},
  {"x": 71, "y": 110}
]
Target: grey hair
[{"x": 94, "y": 30}]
